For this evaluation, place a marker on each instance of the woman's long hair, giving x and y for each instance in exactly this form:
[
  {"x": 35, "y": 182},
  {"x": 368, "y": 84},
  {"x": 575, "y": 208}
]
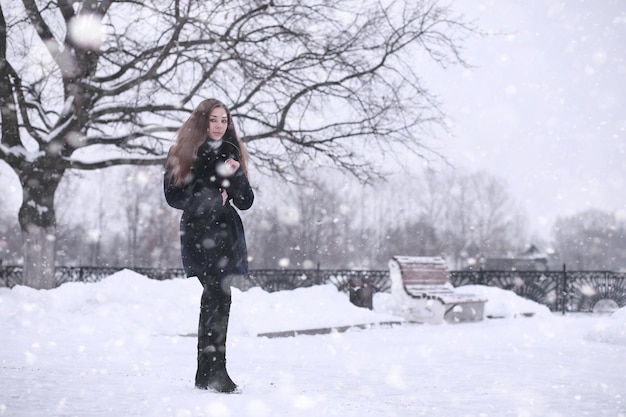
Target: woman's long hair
[{"x": 192, "y": 134}]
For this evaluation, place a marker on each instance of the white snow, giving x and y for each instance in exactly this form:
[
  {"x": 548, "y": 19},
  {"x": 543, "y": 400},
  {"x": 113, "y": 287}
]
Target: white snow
[
  {"x": 122, "y": 347},
  {"x": 87, "y": 31},
  {"x": 503, "y": 303}
]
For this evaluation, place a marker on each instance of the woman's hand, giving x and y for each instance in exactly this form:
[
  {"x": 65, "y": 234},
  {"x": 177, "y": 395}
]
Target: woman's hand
[
  {"x": 228, "y": 167},
  {"x": 233, "y": 164},
  {"x": 224, "y": 197}
]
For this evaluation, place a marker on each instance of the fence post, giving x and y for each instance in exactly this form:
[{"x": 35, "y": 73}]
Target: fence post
[
  {"x": 564, "y": 292},
  {"x": 481, "y": 275},
  {"x": 317, "y": 274}
]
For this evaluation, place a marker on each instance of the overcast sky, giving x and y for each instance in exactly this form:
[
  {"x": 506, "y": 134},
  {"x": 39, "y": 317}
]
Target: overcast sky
[{"x": 544, "y": 106}]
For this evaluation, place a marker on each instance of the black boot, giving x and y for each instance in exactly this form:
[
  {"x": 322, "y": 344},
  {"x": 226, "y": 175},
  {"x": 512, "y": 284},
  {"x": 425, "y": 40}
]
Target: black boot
[
  {"x": 212, "y": 329},
  {"x": 212, "y": 374},
  {"x": 204, "y": 370},
  {"x": 219, "y": 380}
]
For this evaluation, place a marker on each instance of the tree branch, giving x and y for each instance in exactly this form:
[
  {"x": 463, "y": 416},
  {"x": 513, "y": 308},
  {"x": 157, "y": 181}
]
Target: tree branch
[
  {"x": 8, "y": 105},
  {"x": 89, "y": 166}
]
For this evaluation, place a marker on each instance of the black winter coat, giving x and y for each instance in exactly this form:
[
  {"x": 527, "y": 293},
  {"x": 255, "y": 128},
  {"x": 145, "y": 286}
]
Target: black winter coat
[{"x": 212, "y": 238}]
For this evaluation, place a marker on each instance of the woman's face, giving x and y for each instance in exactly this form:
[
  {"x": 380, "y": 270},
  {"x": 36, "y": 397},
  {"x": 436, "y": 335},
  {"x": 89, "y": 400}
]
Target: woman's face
[{"x": 218, "y": 122}]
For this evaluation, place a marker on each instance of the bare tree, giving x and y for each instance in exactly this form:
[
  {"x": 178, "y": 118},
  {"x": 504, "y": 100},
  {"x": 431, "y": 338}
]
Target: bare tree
[
  {"x": 493, "y": 223},
  {"x": 416, "y": 237},
  {"x": 472, "y": 210},
  {"x": 269, "y": 240},
  {"x": 498, "y": 223},
  {"x": 163, "y": 243},
  {"x": 97, "y": 83},
  {"x": 592, "y": 239},
  {"x": 307, "y": 228},
  {"x": 135, "y": 201},
  {"x": 83, "y": 217},
  {"x": 151, "y": 228}
]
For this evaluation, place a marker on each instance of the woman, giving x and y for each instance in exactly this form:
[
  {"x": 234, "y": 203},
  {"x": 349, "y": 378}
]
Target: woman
[{"x": 205, "y": 172}]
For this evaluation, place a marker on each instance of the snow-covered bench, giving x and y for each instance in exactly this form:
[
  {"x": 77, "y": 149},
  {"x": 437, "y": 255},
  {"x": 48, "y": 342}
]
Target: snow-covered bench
[{"x": 422, "y": 292}]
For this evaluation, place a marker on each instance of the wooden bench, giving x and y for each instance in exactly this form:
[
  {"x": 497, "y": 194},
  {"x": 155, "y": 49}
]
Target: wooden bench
[{"x": 423, "y": 293}]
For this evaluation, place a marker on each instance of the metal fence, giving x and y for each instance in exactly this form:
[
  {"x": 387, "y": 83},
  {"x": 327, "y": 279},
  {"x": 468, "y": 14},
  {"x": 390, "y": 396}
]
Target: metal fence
[
  {"x": 268, "y": 279},
  {"x": 580, "y": 291},
  {"x": 565, "y": 291}
]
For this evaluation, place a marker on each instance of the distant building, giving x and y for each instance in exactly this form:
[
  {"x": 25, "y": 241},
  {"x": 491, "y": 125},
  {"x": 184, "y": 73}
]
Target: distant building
[{"x": 532, "y": 259}]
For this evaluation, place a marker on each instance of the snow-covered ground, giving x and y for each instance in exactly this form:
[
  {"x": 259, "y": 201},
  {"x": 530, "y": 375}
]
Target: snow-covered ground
[{"x": 122, "y": 347}]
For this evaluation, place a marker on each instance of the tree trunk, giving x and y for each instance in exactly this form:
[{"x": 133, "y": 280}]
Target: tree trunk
[
  {"x": 39, "y": 255},
  {"x": 38, "y": 223}
]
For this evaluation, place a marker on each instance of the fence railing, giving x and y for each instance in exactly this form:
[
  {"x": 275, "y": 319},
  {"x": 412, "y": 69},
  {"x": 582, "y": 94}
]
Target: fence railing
[
  {"x": 565, "y": 291},
  {"x": 581, "y": 291}
]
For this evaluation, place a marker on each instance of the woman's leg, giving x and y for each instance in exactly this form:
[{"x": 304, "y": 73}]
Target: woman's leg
[{"x": 212, "y": 332}]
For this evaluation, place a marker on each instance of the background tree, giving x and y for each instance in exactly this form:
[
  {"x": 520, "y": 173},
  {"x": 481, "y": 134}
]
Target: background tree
[
  {"x": 136, "y": 202},
  {"x": 311, "y": 225},
  {"x": 472, "y": 210},
  {"x": 152, "y": 227},
  {"x": 418, "y": 237},
  {"x": 84, "y": 223},
  {"x": 92, "y": 84},
  {"x": 342, "y": 226},
  {"x": 591, "y": 240}
]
